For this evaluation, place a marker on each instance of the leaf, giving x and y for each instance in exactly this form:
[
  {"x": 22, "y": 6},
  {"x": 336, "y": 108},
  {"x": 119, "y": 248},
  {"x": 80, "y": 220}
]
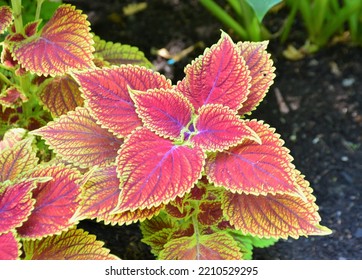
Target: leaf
[
  {"x": 6, "y": 18},
  {"x": 218, "y": 128},
  {"x": 253, "y": 168},
  {"x": 156, "y": 224},
  {"x": 60, "y": 95},
  {"x": 63, "y": 44},
  {"x": 12, "y": 97},
  {"x": 261, "y": 72},
  {"x": 17, "y": 160},
  {"x": 261, "y": 7},
  {"x": 276, "y": 216},
  {"x": 11, "y": 137},
  {"x": 9, "y": 246},
  {"x": 210, "y": 213},
  {"x": 16, "y": 204},
  {"x": 107, "y": 94},
  {"x": 74, "y": 244},
  {"x": 117, "y": 54},
  {"x": 166, "y": 112},
  {"x": 219, "y": 76},
  {"x": 216, "y": 246},
  {"x": 56, "y": 202},
  {"x": 153, "y": 170},
  {"x": 80, "y": 140}
]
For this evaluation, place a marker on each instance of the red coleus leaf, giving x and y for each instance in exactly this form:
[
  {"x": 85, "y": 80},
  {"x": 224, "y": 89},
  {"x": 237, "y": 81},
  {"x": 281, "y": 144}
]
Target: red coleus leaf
[
  {"x": 63, "y": 44},
  {"x": 277, "y": 216},
  {"x": 166, "y": 112},
  {"x": 218, "y": 128},
  {"x": 60, "y": 95},
  {"x": 261, "y": 72},
  {"x": 220, "y": 76},
  {"x": 17, "y": 160},
  {"x": 216, "y": 246},
  {"x": 107, "y": 94},
  {"x": 210, "y": 213},
  {"x": 16, "y": 204},
  {"x": 74, "y": 244},
  {"x": 80, "y": 140},
  {"x": 11, "y": 137},
  {"x": 6, "y": 18},
  {"x": 12, "y": 97},
  {"x": 9, "y": 246},
  {"x": 117, "y": 54},
  {"x": 254, "y": 168},
  {"x": 56, "y": 202},
  {"x": 153, "y": 170}
]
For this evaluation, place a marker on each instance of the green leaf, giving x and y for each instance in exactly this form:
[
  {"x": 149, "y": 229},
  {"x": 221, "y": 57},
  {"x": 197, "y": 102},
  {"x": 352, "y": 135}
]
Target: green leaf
[{"x": 261, "y": 7}]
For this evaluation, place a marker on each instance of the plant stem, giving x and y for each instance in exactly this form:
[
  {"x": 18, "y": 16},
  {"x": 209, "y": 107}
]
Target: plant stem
[
  {"x": 196, "y": 233},
  {"x": 18, "y": 20},
  {"x": 38, "y": 9},
  {"x": 4, "y": 79}
]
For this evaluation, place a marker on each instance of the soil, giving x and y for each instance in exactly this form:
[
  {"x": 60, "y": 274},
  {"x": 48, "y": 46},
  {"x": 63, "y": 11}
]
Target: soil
[{"x": 315, "y": 104}]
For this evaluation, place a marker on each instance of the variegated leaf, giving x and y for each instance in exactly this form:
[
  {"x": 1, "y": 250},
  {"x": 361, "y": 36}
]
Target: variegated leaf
[
  {"x": 63, "y": 44},
  {"x": 153, "y": 170},
  {"x": 17, "y": 160},
  {"x": 6, "y": 18},
  {"x": 210, "y": 213},
  {"x": 166, "y": 112},
  {"x": 219, "y": 76},
  {"x": 80, "y": 140},
  {"x": 74, "y": 244},
  {"x": 217, "y": 128},
  {"x": 16, "y": 204},
  {"x": 11, "y": 137},
  {"x": 216, "y": 246},
  {"x": 56, "y": 202},
  {"x": 277, "y": 216},
  {"x": 117, "y": 54},
  {"x": 107, "y": 94},
  {"x": 60, "y": 95},
  {"x": 261, "y": 72},
  {"x": 254, "y": 168},
  {"x": 9, "y": 246}
]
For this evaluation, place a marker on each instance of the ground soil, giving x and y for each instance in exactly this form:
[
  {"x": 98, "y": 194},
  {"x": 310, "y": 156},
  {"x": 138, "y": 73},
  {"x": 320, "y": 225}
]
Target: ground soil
[{"x": 315, "y": 104}]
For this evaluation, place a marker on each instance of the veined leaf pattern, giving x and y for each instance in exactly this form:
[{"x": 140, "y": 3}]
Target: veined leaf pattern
[
  {"x": 6, "y": 17},
  {"x": 9, "y": 246}
]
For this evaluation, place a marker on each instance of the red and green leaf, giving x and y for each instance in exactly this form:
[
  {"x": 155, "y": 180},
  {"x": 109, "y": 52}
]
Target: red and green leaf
[
  {"x": 16, "y": 204},
  {"x": 254, "y": 168},
  {"x": 210, "y": 213},
  {"x": 117, "y": 54},
  {"x": 12, "y": 97},
  {"x": 6, "y": 18},
  {"x": 216, "y": 246},
  {"x": 17, "y": 160},
  {"x": 166, "y": 112},
  {"x": 11, "y": 137},
  {"x": 277, "y": 216},
  {"x": 74, "y": 244},
  {"x": 80, "y": 140},
  {"x": 56, "y": 202},
  {"x": 261, "y": 71},
  {"x": 107, "y": 94},
  {"x": 9, "y": 246},
  {"x": 60, "y": 95},
  {"x": 153, "y": 170},
  {"x": 63, "y": 44},
  {"x": 218, "y": 128},
  {"x": 219, "y": 76}
]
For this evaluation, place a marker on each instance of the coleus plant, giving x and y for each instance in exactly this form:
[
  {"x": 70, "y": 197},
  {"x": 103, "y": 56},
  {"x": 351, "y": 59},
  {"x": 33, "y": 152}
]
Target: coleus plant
[{"x": 204, "y": 181}]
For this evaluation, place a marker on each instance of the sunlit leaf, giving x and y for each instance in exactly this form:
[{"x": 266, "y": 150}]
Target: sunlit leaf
[
  {"x": 117, "y": 54},
  {"x": 80, "y": 140},
  {"x": 277, "y": 216},
  {"x": 107, "y": 94},
  {"x": 9, "y": 246},
  {"x": 261, "y": 72},
  {"x": 216, "y": 246},
  {"x": 167, "y": 112},
  {"x": 16, "y": 204},
  {"x": 63, "y": 44},
  {"x": 11, "y": 137},
  {"x": 60, "y": 95},
  {"x": 254, "y": 168},
  {"x": 218, "y": 128},
  {"x": 74, "y": 244},
  {"x": 6, "y": 17},
  {"x": 153, "y": 170},
  {"x": 56, "y": 202},
  {"x": 17, "y": 160},
  {"x": 219, "y": 76}
]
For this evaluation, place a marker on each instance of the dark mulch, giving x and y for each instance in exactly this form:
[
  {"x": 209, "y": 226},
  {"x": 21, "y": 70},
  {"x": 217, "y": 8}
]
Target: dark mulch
[{"x": 315, "y": 104}]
